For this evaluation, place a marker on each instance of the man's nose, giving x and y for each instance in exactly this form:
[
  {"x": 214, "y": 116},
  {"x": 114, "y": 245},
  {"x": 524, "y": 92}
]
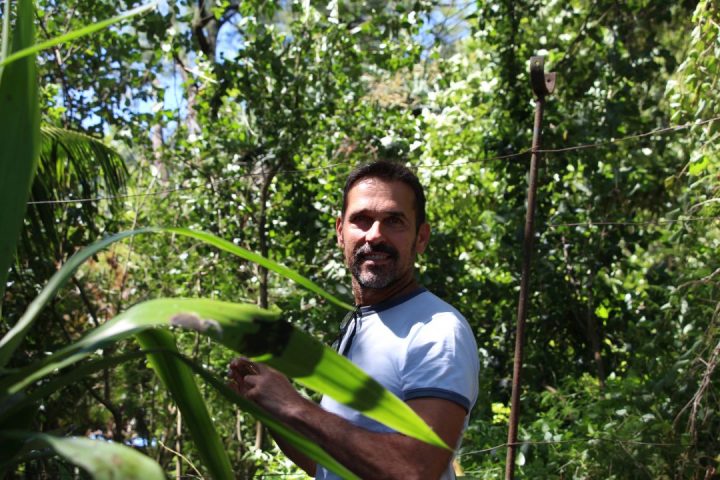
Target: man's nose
[{"x": 374, "y": 233}]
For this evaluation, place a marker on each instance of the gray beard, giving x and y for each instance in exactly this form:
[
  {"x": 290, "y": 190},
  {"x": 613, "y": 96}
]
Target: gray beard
[{"x": 383, "y": 278}]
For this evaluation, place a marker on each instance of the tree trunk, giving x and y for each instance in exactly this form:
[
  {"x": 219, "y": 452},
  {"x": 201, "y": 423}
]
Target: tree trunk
[
  {"x": 263, "y": 272},
  {"x": 593, "y": 332}
]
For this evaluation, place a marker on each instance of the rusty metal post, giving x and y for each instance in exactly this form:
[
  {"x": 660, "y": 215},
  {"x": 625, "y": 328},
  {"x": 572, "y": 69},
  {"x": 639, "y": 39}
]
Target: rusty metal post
[{"x": 542, "y": 85}]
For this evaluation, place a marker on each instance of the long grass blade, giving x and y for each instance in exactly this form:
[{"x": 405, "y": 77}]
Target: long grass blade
[
  {"x": 75, "y": 34},
  {"x": 153, "y": 313},
  {"x": 10, "y": 342},
  {"x": 316, "y": 366},
  {"x": 12, "y": 406},
  {"x": 178, "y": 379},
  {"x": 19, "y": 138},
  {"x": 260, "y": 260},
  {"x": 102, "y": 460}
]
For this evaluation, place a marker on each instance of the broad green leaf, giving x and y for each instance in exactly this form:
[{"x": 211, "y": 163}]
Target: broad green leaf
[
  {"x": 178, "y": 379},
  {"x": 102, "y": 460},
  {"x": 153, "y": 313},
  {"x": 19, "y": 138},
  {"x": 74, "y": 35},
  {"x": 240, "y": 327},
  {"x": 252, "y": 331},
  {"x": 12, "y": 339},
  {"x": 153, "y": 340}
]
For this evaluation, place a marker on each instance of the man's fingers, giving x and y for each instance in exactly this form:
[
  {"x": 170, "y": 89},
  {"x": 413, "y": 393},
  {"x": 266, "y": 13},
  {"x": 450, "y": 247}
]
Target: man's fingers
[{"x": 242, "y": 367}]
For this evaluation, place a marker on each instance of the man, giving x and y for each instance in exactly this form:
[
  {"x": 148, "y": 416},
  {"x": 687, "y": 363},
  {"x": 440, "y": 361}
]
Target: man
[{"x": 413, "y": 343}]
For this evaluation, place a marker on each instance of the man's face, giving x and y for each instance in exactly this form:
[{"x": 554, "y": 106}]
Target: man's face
[{"x": 378, "y": 234}]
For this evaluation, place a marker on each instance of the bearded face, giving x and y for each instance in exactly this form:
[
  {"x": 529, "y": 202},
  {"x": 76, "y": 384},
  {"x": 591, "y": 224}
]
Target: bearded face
[
  {"x": 375, "y": 266},
  {"x": 378, "y": 234}
]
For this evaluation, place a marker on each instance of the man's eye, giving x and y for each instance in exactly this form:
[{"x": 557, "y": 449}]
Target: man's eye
[
  {"x": 394, "y": 221},
  {"x": 362, "y": 221}
]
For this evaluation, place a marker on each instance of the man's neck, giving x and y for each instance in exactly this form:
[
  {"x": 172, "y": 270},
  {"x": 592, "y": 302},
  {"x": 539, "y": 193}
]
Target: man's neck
[{"x": 373, "y": 296}]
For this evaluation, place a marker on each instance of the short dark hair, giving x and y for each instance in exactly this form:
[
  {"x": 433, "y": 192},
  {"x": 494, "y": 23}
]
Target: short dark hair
[{"x": 391, "y": 172}]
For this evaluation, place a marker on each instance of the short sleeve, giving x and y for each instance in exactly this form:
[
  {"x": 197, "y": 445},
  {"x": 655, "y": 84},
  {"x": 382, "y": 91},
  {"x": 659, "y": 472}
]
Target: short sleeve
[{"x": 442, "y": 361}]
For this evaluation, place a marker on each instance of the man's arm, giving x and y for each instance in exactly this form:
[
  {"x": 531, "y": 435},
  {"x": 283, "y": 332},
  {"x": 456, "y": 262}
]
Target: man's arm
[
  {"x": 298, "y": 458},
  {"x": 368, "y": 454}
]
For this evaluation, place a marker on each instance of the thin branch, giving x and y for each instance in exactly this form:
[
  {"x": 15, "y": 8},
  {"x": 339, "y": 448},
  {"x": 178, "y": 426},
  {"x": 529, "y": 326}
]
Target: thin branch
[{"x": 181, "y": 456}]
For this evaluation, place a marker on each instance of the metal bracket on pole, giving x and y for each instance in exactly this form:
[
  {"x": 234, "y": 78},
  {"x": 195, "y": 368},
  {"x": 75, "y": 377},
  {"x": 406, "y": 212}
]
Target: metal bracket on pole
[{"x": 542, "y": 84}]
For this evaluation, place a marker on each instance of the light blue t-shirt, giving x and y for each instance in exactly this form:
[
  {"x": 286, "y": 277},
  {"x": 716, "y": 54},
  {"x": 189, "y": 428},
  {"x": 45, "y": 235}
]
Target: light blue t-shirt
[{"x": 415, "y": 346}]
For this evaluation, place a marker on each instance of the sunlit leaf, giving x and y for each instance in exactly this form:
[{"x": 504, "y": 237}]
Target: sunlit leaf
[
  {"x": 19, "y": 138},
  {"x": 179, "y": 381},
  {"x": 74, "y": 35},
  {"x": 252, "y": 331}
]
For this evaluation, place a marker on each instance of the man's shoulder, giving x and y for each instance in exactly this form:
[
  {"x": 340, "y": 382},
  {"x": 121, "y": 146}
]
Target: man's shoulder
[{"x": 431, "y": 306}]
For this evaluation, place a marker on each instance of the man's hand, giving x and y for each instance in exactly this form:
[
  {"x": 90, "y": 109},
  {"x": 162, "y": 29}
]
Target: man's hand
[
  {"x": 264, "y": 386},
  {"x": 272, "y": 391}
]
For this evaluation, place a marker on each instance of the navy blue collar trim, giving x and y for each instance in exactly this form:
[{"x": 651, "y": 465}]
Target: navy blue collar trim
[{"x": 393, "y": 302}]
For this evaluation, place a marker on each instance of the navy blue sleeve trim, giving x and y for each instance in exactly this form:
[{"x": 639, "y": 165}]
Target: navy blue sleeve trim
[{"x": 438, "y": 393}]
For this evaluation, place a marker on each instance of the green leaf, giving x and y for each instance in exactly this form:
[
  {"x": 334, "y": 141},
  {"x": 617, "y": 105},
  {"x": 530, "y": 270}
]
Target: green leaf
[
  {"x": 75, "y": 34},
  {"x": 178, "y": 379},
  {"x": 154, "y": 342},
  {"x": 19, "y": 139},
  {"x": 260, "y": 260},
  {"x": 336, "y": 376},
  {"x": 153, "y": 313},
  {"x": 252, "y": 331},
  {"x": 10, "y": 342},
  {"x": 102, "y": 460},
  {"x": 318, "y": 367}
]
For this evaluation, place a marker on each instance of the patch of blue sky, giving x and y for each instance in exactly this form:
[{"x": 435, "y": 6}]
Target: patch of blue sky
[
  {"x": 445, "y": 25},
  {"x": 230, "y": 40}
]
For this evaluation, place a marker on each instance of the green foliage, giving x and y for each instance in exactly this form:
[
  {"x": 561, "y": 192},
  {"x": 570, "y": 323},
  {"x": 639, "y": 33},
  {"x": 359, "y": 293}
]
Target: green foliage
[{"x": 249, "y": 114}]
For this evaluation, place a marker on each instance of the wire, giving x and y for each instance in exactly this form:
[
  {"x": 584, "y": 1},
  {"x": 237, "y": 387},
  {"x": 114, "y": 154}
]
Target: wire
[
  {"x": 591, "y": 223},
  {"x": 179, "y": 188},
  {"x": 111, "y": 197},
  {"x": 578, "y": 440},
  {"x": 659, "y": 131}
]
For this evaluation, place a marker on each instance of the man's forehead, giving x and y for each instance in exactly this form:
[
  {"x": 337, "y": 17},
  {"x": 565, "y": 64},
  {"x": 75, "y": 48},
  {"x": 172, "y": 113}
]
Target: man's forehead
[
  {"x": 378, "y": 194},
  {"x": 381, "y": 189}
]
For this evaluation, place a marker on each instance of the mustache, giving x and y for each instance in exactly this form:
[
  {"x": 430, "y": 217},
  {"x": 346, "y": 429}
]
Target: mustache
[{"x": 368, "y": 249}]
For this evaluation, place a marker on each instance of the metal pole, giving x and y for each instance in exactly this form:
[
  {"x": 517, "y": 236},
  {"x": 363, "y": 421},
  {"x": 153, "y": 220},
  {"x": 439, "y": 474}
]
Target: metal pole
[{"x": 542, "y": 84}]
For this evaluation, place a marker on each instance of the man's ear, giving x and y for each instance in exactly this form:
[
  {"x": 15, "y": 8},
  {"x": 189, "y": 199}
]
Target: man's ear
[
  {"x": 339, "y": 231},
  {"x": 423, "y": 238}
]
